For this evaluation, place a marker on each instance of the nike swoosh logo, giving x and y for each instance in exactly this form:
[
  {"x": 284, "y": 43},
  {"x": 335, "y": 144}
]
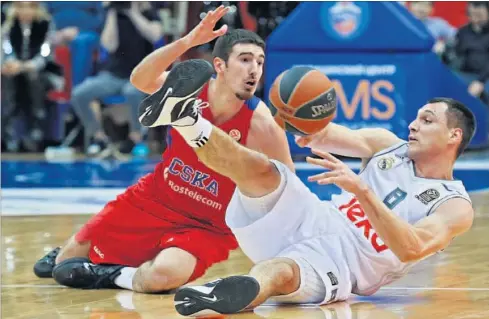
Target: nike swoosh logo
[
  {"x": 213, "y": 299},
  {"x": 168, "y": 92},
  {"x": 146, "y": 112}
]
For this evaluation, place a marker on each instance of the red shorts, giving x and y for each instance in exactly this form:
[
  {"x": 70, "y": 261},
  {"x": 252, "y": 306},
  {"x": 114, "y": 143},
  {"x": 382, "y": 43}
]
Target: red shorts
[{"x": 125, "y": 235}]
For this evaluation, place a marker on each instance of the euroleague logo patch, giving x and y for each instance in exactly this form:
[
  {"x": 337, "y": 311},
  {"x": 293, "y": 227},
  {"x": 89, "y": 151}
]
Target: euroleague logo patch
[
  {"x": 428, "y": 196},
  {"x": 235, "y": 134}
]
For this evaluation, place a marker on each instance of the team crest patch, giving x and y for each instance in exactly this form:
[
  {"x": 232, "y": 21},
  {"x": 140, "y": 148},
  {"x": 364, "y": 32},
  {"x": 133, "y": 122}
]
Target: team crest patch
[
  {"x": 235, "y": 135},
  {"x": 428, "y": 196},
  {"x": 385, "y": 163}
]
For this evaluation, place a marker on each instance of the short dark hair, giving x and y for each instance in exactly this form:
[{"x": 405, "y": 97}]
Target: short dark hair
[
  {"x": 224, "y": 45},
  {"x": 459, "y": 116}
]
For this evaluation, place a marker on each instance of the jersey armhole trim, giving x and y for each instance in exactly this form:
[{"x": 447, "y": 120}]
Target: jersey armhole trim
[{"x": 444, "y": 199}]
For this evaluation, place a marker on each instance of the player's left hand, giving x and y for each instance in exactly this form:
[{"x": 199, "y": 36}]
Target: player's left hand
[{"x": 339, "y": 173}]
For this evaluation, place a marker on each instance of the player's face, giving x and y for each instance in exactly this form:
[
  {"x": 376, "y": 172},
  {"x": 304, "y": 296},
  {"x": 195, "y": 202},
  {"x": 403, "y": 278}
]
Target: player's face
[
  {"x": 244, "y": 69},
  {"x": 26, "y": 11},
  {"x": 429, "y": 133}
]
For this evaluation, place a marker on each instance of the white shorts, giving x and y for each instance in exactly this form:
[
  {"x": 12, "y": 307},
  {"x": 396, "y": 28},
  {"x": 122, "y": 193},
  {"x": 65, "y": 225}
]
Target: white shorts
[{"x": 300, "y": 227}]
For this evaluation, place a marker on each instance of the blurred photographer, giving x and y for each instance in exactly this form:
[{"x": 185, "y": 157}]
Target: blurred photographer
[
  {"x": 472, "y": 50},
  {"x": 28, "y": 72},
  {"x": 129, "y": 34}
]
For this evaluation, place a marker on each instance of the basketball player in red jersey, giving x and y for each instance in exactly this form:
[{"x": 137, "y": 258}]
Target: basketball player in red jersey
[{"x": 169, "y": 228}]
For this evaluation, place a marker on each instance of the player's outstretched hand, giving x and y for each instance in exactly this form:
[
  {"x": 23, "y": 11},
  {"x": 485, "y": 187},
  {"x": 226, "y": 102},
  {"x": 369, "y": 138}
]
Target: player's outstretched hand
[
  {"x": 204, "y": 31},
  {"x": 339, "y": 173}
]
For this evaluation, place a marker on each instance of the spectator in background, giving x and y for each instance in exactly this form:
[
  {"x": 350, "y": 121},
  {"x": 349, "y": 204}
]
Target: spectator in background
[
  {"x": 129, "y": 33},
  {"x": 29, "y": 72},
  {"x": 78, "y": 25},
  {"x": 472, "y": 50},
  {"x": 74, "y": 17},
  {"x": 440, "y": 29}
]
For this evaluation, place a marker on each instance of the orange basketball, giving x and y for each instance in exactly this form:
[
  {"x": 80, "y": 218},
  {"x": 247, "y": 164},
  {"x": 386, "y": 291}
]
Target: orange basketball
[{"x": 302, "y": 100}]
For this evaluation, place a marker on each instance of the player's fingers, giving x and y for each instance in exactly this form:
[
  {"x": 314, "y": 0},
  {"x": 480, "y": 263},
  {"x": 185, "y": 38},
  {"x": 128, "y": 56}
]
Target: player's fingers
[
  {"x": 321, "y": 176},
  {"x": 222, "y": 30},
  {"x": 218, "y": 14},
  {"x": 221, "y": 12},
  {"x": 325, "y": 155},
  {"x": 329, "y": 180},
  {"x": 209, "y": 17},
  {"x": 321, "y": 162}
]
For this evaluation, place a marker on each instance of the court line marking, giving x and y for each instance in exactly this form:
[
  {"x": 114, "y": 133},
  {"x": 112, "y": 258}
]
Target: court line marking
[
  {"x": 462, "y": 165},
  {"x": 31, "y": 286},
  {"x": 383, "y": 288},
  {"x": 435, "y": 288}
]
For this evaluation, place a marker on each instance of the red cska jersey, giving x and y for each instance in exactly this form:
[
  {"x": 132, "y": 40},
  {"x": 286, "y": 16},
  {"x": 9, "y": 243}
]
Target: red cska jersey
[{"x": 193, "y": 194}]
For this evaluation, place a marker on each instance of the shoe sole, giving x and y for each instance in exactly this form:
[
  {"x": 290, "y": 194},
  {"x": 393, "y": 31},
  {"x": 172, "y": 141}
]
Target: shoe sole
[
  {"x": 186, "y": 80},
  {"x": 233, "y": 295}
]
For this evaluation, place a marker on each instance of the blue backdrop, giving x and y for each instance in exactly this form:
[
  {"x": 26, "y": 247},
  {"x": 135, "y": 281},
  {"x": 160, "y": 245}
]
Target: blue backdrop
[{"x": 379, "y": 57}]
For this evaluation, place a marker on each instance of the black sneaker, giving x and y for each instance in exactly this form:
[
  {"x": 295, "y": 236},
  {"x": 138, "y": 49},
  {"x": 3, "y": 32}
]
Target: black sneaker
[
  {"x": 81, "y": 273},
  {"x": 43, "y": 268},
  {"x": 175, "y": 103},
  {"x": 222, "y": 296}
]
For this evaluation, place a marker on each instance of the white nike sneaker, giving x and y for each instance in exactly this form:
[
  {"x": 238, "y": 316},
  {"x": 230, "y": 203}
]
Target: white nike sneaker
[
  {"x": 222, "y": 296},
  {"x": 175, "y": 102}
]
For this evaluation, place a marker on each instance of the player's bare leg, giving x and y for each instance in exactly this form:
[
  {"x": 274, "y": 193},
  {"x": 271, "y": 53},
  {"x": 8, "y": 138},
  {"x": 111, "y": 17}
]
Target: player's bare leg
[
  {"x": 170, "y": 269},
  {"x": 72, "y": 249},
  {"x": 251, "y": 171},
  {"x": 275, "y": 277}
]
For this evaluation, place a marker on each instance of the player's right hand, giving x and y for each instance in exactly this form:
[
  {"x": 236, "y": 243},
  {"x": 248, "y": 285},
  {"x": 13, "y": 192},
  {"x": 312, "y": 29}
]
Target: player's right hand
[{"x": 204, "y": 31}]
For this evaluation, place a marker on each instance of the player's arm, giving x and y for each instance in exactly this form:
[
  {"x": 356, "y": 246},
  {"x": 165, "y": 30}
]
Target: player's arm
[
  {"x": 408, "y": 242},
  {"x": 150, "y": 74},
  {"x": 361, "y": 143},
  {"x": 431, "y": 234},
  {"x": 265, "y": 136}
]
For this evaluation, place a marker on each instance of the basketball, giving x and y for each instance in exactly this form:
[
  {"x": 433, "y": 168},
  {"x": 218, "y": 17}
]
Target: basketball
[{"x": 302, "y": 100}]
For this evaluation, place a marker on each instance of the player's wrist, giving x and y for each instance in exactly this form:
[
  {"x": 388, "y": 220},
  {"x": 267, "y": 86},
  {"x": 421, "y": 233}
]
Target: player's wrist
[
  {"x": 187, "y": 42},
  {"x": 363, "y": 190}
]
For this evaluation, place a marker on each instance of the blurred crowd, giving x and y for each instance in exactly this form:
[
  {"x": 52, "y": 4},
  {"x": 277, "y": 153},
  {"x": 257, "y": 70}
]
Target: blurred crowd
[
  {"x": 465, "y": 49},
  {"x": 66, "y": 64},
  {"x": 74, "y": 58}
]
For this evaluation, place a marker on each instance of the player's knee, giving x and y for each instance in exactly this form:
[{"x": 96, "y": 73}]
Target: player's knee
[
  {"x": 263, "y": 177},
  {"x": 284, "y": 271},
  {"x": 172, "y": 268},
  {"x": 165, "y": 276}
]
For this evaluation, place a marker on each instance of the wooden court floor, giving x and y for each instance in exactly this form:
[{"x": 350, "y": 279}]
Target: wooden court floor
[{"x": 454, "y": 284}]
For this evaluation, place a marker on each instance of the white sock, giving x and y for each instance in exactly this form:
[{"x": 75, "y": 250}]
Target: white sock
[
  {"x": 257, "y": 207},
  {"x": 196, "y": 135},
  {"x": 124, "y": 298},
  {"x": 124, "y": 280}
]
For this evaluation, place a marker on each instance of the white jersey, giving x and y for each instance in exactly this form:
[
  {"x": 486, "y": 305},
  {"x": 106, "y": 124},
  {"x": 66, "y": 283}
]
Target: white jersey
[{"x": 391, "y": 175}]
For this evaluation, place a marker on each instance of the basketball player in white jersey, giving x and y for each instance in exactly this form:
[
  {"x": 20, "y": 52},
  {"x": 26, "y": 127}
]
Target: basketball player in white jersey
[{"x": 402, "y": 207}]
